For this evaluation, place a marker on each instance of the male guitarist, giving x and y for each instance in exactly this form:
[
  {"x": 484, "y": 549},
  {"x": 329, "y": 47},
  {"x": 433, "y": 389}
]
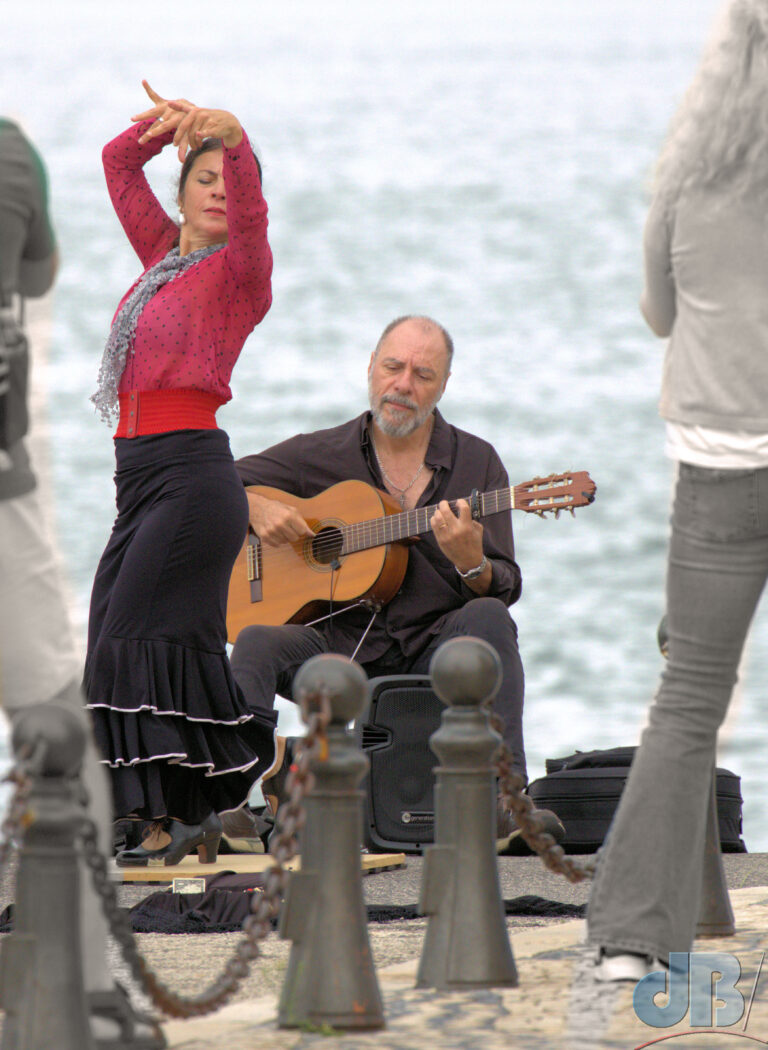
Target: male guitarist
[{"x": 461, "y": 575}]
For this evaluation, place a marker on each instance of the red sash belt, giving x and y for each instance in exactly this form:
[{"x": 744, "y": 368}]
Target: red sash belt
[{"x": 158, "y": 411}]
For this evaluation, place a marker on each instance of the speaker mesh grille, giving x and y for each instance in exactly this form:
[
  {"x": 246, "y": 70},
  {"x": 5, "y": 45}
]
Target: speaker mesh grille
[{"x": 401, "y": 781}]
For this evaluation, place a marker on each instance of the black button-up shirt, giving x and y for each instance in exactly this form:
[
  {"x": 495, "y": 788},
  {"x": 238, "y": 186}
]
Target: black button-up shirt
[{"x": 307, "y": 464}]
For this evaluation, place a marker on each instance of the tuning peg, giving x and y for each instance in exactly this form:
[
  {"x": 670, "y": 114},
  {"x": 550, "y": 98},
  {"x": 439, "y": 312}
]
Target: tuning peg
[
  {"x": 557, "y": 513},
  {"x": 573, "y": 512}
]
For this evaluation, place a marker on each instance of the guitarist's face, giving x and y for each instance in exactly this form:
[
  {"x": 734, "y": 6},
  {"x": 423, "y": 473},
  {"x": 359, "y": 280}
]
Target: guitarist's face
[{"x": 407, "y": 377}]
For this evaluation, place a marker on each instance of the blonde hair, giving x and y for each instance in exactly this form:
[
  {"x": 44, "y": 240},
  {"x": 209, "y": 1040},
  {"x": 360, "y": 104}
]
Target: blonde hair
[{"x": 719, "y": 134}]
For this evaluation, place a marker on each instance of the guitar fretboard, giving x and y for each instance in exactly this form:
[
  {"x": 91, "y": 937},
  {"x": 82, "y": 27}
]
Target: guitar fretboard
[{"x": 392, "y": 527}]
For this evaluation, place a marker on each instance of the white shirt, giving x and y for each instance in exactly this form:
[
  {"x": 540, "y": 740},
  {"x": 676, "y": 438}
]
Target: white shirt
[{"x": 717, "y": 449}]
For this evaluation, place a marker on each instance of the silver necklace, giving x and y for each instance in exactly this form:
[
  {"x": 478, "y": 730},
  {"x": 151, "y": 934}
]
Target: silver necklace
[{"x": 391, "y": 483}]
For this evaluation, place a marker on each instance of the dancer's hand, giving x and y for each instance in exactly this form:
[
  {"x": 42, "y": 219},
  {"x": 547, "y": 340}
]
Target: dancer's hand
[
  {"x": 197, "y": 124},
  {"x": 191, "y": 124},
  {"x": 165, "y": 117}
]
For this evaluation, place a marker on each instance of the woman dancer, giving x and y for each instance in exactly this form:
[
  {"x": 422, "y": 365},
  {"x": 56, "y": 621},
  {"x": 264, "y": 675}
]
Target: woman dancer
[
  {"x": 706, "y": 252},
  {"x": 169, "y": 719}
]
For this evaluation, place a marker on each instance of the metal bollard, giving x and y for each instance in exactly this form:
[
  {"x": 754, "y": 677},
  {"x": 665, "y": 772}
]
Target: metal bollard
[
  {"x": 715, "y": 913},
  {"x": 331, "y": 978},
  {"x": 41, "y": 971},
  {"x": 466, "y": 943}
]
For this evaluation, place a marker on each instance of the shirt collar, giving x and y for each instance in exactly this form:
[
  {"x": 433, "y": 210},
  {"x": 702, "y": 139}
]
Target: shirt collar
[{"x": 438, "y": 451}]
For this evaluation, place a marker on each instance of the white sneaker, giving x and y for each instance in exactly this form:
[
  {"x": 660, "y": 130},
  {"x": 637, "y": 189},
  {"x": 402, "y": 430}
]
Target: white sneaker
[{"x": 624, "y": 967}]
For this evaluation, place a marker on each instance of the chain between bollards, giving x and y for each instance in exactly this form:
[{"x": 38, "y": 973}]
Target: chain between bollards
[
  {"x": 17, "y": 817},
  {"x": 265, "y": 905},
  {"x": 531, "y": 826}
]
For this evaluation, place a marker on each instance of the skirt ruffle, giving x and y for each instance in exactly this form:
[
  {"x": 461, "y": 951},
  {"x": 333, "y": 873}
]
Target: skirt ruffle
[
  {"x": 132, "y": 675},
  {"x": 171, "y": 723}
]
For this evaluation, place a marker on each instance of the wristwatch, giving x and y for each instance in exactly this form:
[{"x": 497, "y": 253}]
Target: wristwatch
[{"x": 472, "y": 574}]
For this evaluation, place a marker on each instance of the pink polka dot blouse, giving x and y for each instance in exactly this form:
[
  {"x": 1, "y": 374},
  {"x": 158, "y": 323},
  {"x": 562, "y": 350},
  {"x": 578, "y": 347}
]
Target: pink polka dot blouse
[{"x": 191, "y": 332}]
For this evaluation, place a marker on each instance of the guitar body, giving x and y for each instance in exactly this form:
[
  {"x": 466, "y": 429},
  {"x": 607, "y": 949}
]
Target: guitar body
[
  {"x": 359, "y": 549},
  {"x": 292, "y": 583}
]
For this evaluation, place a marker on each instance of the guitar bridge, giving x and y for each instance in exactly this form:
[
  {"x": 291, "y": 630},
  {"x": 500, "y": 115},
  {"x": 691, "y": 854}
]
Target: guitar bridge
[{"x": 253, "y": 567}]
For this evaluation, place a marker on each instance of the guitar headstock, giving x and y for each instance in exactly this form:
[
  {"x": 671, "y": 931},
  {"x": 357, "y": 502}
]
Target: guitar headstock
[{"x": 554, "y": 493}]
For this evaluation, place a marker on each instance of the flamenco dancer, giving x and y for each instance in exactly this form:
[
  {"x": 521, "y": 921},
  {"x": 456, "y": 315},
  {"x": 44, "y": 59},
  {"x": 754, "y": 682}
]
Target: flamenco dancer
[{"x": 172, "y": 725}]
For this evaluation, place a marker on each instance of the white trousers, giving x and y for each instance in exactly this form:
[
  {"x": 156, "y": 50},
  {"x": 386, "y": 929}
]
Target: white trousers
[{"x": 39, "y": 663}]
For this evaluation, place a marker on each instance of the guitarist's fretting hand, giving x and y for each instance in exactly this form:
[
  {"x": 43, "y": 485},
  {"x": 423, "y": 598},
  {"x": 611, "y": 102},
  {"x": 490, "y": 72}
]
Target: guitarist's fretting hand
[
  {"x": 461, "y": 541},
  {"x": 275, "y": 522}
]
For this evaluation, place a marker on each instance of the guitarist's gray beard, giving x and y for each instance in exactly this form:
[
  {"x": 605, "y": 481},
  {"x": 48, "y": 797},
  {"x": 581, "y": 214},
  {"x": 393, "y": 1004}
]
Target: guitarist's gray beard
[{"x": 399, "y": 430}]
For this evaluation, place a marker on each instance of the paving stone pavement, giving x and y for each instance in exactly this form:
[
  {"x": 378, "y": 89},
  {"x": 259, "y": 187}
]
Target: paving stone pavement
[{"x": 557, "y": 1004}]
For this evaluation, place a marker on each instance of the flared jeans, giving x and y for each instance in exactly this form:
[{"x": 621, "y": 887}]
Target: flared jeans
[{"x": 647, "y": 889}]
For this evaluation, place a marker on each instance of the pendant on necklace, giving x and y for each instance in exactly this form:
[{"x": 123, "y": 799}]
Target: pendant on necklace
[{"x": 388, "y": 480}]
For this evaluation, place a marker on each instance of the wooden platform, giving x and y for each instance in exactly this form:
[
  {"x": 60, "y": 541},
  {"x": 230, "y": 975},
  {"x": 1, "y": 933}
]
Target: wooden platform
[{"x": 242, "y": 863}]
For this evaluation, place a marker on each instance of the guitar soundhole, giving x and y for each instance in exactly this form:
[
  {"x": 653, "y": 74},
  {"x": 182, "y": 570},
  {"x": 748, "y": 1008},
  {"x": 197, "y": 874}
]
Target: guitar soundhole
[{"x": 326, "y": 546}]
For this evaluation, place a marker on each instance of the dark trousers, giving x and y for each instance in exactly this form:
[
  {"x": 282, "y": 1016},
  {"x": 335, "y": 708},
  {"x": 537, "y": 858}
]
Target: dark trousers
[{"x": 265, "y": 660}]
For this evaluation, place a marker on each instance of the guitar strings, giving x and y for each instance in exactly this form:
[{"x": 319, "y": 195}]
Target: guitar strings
[{"x": 358, "y": 535}]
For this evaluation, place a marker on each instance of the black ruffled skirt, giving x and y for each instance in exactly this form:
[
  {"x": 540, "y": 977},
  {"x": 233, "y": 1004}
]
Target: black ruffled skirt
[{"x": 168, "y": 716}]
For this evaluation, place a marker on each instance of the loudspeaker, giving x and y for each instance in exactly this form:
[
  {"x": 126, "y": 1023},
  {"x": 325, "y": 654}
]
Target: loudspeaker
[{"x": 399, "y": 811}]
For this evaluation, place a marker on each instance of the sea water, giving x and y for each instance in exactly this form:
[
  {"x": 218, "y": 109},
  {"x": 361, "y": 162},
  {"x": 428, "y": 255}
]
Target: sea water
[{"x": 487, "y": 164}]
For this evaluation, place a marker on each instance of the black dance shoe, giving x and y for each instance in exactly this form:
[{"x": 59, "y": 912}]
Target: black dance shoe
[{"x": 184, "y": 838}]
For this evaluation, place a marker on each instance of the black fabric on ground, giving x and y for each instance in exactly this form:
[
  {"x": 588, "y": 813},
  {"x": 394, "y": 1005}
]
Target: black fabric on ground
[
  {"x": 217, "y": 911},
  {"x": 223, "y": 910},
  {"x": 224, "y": 907}
]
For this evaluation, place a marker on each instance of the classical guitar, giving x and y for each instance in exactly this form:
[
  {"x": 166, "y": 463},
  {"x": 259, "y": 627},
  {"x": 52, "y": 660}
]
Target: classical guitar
[{"x": 360, "y": 548}]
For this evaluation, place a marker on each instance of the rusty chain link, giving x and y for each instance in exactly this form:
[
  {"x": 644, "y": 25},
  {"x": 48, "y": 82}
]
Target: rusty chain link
[
  {"x": 17, "y": 816},
  {"x": 265, "y": 906},
  {"x": 531, "y": 825}
]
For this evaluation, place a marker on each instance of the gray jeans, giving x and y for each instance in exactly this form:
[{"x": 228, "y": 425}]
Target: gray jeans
[{"x": 646, "y": 894}]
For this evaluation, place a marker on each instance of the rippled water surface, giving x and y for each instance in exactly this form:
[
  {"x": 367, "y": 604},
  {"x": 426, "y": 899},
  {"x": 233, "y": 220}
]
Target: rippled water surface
[{"x": 486, "y": 164}]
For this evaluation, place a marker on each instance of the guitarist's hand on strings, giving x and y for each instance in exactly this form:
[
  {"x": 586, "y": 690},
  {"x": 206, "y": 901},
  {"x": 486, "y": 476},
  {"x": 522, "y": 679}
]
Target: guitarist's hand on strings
[
  {"x": 275, "y": 522},
  {"x": 461, "y": 541}
]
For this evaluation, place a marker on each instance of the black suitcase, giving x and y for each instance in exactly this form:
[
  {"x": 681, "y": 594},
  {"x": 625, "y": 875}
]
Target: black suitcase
[{"x": 584, "y": 789}]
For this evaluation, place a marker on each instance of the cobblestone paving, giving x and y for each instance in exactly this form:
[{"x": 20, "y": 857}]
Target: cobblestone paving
[{"x": 556, "y": 1005}]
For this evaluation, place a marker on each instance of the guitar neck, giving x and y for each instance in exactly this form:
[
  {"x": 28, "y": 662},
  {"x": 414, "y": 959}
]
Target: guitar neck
[{"x": 377, "y": 532}]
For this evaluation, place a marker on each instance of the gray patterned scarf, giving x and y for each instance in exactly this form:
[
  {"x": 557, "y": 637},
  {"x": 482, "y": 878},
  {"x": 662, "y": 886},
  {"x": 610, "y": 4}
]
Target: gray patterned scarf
[{"x": 123, "y": 329}]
